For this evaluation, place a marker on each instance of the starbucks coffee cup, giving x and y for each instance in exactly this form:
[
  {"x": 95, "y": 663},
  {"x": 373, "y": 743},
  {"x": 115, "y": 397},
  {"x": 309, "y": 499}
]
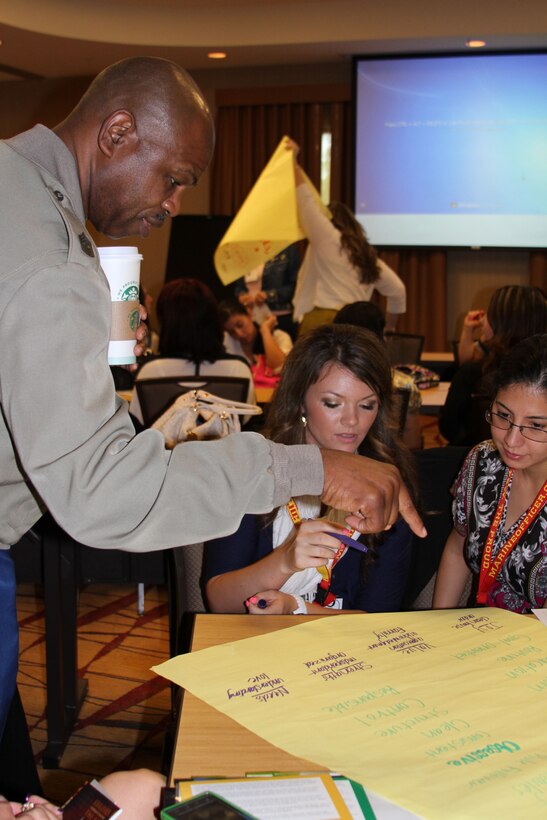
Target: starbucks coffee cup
[{"x": 121, "y": 266}]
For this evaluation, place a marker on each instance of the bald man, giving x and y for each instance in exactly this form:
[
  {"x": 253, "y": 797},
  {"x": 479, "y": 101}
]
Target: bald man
[{"x": 140, "y": 136}]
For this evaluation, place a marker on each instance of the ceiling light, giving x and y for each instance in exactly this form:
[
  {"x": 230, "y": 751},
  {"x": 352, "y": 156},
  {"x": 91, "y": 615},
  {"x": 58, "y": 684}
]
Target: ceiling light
[
  {"x": 475, "y": 43},
  {"x": 217, "y": 55}
]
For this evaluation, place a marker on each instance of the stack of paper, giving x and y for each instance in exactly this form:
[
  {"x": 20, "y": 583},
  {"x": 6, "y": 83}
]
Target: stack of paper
[{"x": 292, "y": 797}]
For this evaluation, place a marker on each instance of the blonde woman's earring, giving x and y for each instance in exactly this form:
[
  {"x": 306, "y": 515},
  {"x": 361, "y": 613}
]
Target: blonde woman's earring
[{"x": 304, "y": 420}]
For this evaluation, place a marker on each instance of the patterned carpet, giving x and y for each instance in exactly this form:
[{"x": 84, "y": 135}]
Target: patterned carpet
[{"x": 123, "y": 719}]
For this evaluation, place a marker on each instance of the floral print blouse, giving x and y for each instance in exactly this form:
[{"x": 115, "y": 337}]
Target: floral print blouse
[{"x": 522, "y": 581}]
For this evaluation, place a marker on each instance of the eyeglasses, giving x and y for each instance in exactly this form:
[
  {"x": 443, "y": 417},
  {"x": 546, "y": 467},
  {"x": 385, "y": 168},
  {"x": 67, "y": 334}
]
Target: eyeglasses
[{"x": 503, "y": 423}]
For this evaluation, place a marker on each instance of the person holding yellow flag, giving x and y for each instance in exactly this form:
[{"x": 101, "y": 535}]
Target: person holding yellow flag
[{"x": 340, "y": 266}]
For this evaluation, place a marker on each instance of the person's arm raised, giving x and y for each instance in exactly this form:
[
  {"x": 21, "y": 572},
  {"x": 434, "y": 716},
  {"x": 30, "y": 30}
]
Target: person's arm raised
[
  {"x": 371, "y": 491},
  {"x": 275, "y": 358},
  {"x": 299, "y": 176},
  {"x": 467, "y": 349}
]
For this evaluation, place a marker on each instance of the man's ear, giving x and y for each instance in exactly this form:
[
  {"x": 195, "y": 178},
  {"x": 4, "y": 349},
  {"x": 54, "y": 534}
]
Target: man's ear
[{"x": 117, "y": 130}]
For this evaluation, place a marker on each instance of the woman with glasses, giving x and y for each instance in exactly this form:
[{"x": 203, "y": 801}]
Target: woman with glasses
[{"x": 500, "y": 517}]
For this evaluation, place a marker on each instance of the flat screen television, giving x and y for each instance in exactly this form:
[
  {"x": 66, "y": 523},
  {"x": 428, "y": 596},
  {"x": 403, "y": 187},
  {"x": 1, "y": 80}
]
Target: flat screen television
[{"x": 451, "y": 150}]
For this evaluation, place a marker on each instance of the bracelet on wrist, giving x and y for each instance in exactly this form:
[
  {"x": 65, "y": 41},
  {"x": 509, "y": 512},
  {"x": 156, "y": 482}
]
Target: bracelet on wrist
[{"x": 301, "y": 608}]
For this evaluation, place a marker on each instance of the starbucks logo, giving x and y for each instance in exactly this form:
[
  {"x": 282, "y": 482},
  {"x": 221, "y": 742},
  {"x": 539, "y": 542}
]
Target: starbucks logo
[
  {"x": 134, "y": 319},
  {"x": 130, "y": 294}
]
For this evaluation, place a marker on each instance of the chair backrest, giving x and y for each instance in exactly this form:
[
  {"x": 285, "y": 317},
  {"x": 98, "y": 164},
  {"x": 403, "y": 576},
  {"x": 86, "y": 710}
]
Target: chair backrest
[
  {"x": 404, "y": 348},
  {"x": 479, "y": 429},
  {"x": 157, "y": 395},
  {"x": 437, "y": 469},
  {"x": 401, "y": 399}
]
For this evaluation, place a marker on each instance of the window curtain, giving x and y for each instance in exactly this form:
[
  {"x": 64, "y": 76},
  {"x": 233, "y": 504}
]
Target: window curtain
[
  {"x": 249, "y": 130},
  {"x": 538, "y": 270},
  {"x": 251, "y": 122},
  {"x": 424, "y": 275}
]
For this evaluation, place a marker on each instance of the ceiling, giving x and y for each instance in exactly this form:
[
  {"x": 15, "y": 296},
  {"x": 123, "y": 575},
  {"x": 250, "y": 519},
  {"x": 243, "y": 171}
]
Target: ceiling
[{"x": 59, "y": 38}]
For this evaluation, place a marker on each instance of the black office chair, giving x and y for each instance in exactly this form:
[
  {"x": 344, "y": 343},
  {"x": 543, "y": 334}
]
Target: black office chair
[
  {"x": 401, "y": 399},
  {"x": 437, "y": 469},
  {"x": 479, "y": 429},
  {"x": 157, "y": 395},
  {"x": 404, "y": 348}
]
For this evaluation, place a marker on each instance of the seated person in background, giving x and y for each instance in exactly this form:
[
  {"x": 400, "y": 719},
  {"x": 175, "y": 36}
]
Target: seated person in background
[
  {"x": 470, "y": 346},
  {"x": 514, "y": 313},
  {"x": 369, "y": 316},
  {"x": 264, "y": 346},
  {"x": 272, "y": 284},
  {"x": 340, "y": 266},
  {"x": 500, "y": 517},
  {"x": 335, "y": 391},
  {"x": 191, "y": 338}
]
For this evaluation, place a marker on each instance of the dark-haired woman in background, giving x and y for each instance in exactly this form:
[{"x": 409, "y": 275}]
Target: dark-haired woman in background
[
  {"x": 514, "y": 313},
  {"x": 191, "y": 338},
  {"x": 500, "y": 518},
  {"x": 340, "y": 266}
]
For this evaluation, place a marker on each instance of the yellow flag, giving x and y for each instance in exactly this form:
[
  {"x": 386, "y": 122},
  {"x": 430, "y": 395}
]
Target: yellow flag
[{"x": 266, "y": 223}]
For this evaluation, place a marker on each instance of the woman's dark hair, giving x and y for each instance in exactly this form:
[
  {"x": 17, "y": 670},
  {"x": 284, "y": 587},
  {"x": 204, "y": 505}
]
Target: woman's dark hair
[
  {"x": 190, "y": 322},
  {"x": 355, "y": 243},
  {"x": 362, "y": 314},
  {"x": 514, "y": 313},
  {"x": 231, "y": 307},
  {"x": 525, "y": 364}
]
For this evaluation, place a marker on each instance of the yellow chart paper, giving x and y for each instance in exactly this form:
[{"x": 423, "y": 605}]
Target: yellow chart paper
[
  {"x": 266, "y": 223},
  {"x": 441, "y": 712}
]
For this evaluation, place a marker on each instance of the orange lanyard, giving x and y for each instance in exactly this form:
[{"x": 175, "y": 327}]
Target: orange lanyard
[
  {"x": 491, "y": 567},
  {"x": 323, "y": 596}
]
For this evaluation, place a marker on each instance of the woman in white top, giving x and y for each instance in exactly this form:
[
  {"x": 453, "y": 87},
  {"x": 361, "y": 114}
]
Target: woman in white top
[
  {"x": 191, "y": 339},
  {"x": 340, "y": 266}
]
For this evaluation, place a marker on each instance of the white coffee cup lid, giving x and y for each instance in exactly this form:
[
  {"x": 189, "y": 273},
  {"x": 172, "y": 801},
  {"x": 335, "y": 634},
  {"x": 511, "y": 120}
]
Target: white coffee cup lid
[{"x": 118, "y": 251}]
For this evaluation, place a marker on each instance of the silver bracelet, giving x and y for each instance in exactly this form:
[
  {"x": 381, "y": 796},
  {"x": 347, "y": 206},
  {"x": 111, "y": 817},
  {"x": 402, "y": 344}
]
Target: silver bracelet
[{"x": 301, "y": 608}]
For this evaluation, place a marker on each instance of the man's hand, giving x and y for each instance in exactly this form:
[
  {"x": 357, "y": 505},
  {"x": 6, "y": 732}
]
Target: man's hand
[
  {"x": 371, "y": 491},
  {"x": 141, "y": 333},
  {"x": 140, "y": 336}
]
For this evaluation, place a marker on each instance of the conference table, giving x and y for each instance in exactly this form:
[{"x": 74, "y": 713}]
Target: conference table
[
  {"x": 434, "y": 398},
  {"x": 210, "y": 743}
]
